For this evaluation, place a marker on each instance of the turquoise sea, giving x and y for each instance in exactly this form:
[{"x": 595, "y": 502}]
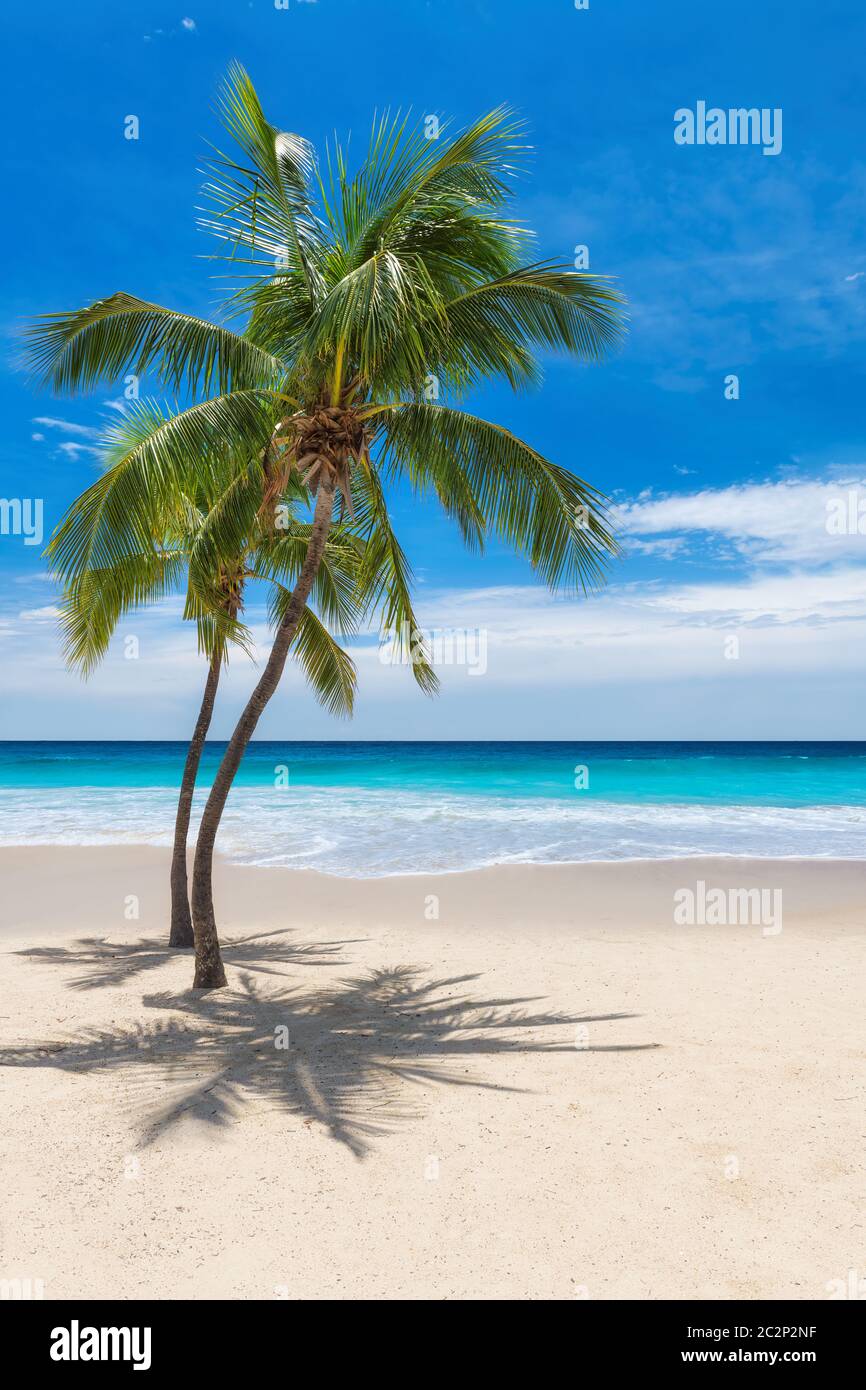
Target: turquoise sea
[{"x": 362, "y": 809}]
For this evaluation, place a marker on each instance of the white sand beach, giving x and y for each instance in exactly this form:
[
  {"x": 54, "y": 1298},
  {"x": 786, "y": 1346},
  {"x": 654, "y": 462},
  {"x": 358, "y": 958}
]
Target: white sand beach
[{"x": 550, "y": 1090}]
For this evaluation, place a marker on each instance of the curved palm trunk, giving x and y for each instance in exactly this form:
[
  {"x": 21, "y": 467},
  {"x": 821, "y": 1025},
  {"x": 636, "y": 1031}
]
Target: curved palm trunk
[
  {"x": 181, "y": 933},
  {"x": 209, "y": 972}
]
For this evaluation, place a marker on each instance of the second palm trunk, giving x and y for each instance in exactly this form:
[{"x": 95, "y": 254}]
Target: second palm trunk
[
  {"x": 181, "y": 932},
  {"x": 209, "y": 970}
]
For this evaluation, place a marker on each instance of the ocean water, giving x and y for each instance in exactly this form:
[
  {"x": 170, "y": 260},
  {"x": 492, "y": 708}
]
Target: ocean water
[{"x": 368, "y": 809}]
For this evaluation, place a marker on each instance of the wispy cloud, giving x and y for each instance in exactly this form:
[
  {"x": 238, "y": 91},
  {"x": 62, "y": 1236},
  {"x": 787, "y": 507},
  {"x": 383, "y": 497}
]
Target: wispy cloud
[
  {"x": 580, "y": 664},
  {"x": 39, "y": 615},
  {"x": 789, "y": 522},
  {"x": 666, "y": 546},
  {"x": 67, "y": 426},
  {"x": 74, "y": 447}
]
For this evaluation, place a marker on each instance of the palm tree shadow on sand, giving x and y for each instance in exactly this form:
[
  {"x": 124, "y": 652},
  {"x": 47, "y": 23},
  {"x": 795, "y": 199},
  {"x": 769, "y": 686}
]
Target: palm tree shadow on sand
[
  {"x": 101, "y": 961},
  {"x": 346, "y": 1057}
]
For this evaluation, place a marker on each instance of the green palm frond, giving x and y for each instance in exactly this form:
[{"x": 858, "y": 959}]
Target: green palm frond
[
  {"x": 407, "y": 177},
  {"x": 279, "y": 557},
  {"x": 329, "y": 670},
  {"x": 217, "y": 633},
  {"x": 224, "y": 533},
  {"x": 280, "y": 312},
  {"x": 385, "y": 578},
  {"x": 261, "y": 207},
  {"x": 285, "y": 162},
  {"x": 541, "y": 510},
  {"x": 155, "y": 460},
  {"x": 92, "y": 605},
  {"x": 74, "y": 350},
  {"x": 463, "y": 247},
  {"x": 492, "y": 325},
  {"x": 373, "y": 318}
]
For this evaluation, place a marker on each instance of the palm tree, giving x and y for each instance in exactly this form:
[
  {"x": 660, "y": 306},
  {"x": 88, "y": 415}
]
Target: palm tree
[
  {"x": 374, "y": 301},
  {"x": 102, "y": 585}
]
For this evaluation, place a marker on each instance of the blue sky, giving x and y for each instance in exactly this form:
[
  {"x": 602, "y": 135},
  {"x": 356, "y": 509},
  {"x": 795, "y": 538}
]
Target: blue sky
[{"x": 734, "y": 262}]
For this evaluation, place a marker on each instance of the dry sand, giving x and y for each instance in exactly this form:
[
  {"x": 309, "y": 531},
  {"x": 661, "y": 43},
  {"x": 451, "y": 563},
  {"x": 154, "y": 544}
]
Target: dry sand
[{"x": 549, "y": 1091}]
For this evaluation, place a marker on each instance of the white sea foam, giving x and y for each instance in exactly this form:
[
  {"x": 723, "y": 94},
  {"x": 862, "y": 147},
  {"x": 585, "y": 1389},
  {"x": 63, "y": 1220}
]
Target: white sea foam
[{"x": 363, "y": 833}]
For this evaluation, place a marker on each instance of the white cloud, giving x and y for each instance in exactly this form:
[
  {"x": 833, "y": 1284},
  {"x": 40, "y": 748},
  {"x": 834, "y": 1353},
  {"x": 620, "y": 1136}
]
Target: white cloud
[
  {"x": 639, "y": 634},
  {"x": 188, "y": 24},
  {"x": 67, "y": 426},
  {"x": 570, "y": 665},
  {"x": 39, "y": 615},
  {"x": 798, "y": 609},
  {"x": 666, "y": 546},
  {"x": 768, "y": 599},
  {"x": 767, "y": 523},
  {"x": 73, "y": 449}
]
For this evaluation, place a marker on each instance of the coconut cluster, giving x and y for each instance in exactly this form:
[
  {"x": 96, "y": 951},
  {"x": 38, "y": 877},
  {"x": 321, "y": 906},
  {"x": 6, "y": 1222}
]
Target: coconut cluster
[{"x": 322, "y": 444}]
